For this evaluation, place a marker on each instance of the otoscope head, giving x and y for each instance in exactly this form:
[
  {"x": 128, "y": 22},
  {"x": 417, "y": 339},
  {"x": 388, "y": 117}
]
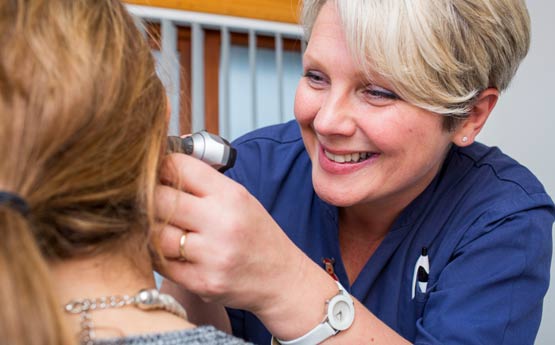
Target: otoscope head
[
  {"x": 207, "y": 147},
  {"x": 179, "y": 145}
]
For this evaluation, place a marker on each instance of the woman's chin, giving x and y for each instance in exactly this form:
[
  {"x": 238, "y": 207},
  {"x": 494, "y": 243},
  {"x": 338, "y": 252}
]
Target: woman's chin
[{"x": 336, "y": 196}]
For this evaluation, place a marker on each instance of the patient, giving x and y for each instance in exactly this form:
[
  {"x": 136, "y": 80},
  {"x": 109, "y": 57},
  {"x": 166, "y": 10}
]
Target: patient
[{"x": 83, "y": 120}]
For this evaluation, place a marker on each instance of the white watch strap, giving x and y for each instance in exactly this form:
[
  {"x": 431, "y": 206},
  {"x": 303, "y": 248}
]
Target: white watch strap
[{"x": 317, "y": 335}]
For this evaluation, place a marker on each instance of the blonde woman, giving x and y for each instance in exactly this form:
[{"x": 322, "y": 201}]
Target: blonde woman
[
  {"x": 82, "y": 128},
  {"x": 426, "y": 235}
]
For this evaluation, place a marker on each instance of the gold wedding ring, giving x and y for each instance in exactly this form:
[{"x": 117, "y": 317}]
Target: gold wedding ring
[{"x": 182, "y": 241}]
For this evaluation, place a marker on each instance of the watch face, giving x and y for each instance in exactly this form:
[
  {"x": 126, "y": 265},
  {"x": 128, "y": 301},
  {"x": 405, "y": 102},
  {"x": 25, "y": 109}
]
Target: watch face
[{"x": 341, "y": 312}]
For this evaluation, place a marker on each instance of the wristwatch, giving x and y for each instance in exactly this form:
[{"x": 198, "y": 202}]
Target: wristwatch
[{"x": 340, "y": 314}]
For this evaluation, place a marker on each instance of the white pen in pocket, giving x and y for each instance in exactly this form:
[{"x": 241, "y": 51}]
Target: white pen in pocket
[{"x": 421, "y": 272}]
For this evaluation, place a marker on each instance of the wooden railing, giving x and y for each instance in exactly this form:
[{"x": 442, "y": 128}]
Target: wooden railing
[
  {"x": 195, "y": 50},
  {"x": 271, "y": 10}
]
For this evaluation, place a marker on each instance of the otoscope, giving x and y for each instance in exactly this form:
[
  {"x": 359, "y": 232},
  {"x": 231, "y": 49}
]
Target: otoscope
[{"x": 208, "y": 147}]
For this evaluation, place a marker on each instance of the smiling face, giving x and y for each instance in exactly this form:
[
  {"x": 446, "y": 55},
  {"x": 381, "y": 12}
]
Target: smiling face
[{"x": 367, "y": 146}]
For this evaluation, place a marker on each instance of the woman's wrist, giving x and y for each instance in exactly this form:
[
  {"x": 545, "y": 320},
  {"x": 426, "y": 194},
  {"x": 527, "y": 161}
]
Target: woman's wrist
[{"x": 298, "y": 301}]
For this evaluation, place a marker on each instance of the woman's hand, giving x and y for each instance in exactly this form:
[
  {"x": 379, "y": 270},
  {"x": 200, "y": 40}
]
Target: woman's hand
[{"x": 235, "y": 253}]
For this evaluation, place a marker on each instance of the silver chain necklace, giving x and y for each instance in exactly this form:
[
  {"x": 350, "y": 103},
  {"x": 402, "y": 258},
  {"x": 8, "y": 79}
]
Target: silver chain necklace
[{"x": 146, "y": 299}]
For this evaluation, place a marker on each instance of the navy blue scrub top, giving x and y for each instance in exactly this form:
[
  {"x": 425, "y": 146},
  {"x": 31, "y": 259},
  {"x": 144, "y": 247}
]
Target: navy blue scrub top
[{"x": 485, "y": 220}]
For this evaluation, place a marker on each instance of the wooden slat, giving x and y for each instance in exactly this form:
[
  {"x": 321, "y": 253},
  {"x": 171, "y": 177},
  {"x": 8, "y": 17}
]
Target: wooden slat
[
  {"x": 154, "y": 35},
  {"x": 211, "y": 80},
  {"x": 274, "y": 10}
]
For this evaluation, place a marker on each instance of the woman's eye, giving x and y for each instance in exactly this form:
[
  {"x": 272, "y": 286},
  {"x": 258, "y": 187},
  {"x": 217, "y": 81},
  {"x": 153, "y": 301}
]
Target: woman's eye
[
  {"x": 315, "y": 78},
  {"x": 378, "y": 94}
]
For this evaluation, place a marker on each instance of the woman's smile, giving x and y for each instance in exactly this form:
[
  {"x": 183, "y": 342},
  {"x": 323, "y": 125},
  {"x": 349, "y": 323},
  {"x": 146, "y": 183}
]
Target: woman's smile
[{"x": 344, "y": 161}]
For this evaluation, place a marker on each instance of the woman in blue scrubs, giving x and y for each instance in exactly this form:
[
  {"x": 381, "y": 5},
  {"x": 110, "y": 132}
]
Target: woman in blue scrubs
[{"x": 376, "y": 216}]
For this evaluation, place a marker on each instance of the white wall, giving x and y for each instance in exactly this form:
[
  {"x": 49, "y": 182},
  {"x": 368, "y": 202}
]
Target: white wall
[{"x": 523, "y": 123}]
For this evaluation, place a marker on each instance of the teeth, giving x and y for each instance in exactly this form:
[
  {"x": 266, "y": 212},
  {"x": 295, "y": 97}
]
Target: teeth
[{"x": 348, "y": 158}]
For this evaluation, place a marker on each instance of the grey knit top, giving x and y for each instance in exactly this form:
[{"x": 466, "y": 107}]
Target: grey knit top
[{"x": 194, "y": 336}]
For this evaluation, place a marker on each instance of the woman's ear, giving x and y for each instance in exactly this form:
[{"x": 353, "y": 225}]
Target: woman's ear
[{"x": 467, "y": 131}]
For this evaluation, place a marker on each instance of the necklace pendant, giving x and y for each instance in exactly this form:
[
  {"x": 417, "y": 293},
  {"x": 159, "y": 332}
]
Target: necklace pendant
[{"x": 148, "y": 299}]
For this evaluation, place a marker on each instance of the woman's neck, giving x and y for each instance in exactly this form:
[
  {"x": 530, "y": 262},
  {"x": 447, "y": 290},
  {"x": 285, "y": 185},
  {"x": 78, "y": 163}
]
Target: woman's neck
[{"x": 361, "y": 230}]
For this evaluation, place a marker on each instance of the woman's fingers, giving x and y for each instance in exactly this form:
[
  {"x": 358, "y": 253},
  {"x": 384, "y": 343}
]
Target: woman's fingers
[
  {"x": 180, "y": 209},
  {"x": 176, "y": 243},
  {"x": 170, "y": 203},
  {"x": 191, "y": 174}
]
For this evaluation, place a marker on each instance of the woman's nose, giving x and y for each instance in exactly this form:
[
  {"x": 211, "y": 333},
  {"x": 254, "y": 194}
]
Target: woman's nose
[{"x": 335, "y": 116}]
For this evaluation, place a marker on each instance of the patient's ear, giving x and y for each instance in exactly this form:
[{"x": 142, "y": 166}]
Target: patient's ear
[{"x": 467, "y": 131}]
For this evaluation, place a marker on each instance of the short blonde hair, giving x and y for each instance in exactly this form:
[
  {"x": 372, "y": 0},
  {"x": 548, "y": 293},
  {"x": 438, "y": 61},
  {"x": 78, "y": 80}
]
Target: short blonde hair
[{"x": 438, "y": 54}]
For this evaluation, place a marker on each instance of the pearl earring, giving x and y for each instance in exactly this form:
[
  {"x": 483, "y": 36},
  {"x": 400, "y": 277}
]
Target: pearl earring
[{"x": 464, "y": 139}]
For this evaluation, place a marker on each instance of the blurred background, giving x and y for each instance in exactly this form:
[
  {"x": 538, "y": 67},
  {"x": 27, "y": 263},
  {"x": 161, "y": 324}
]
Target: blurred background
[{"x": 232, "y": 66}]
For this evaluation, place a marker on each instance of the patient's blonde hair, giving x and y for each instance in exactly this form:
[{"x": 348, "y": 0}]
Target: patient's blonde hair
[{"x": 437, "y": 54}]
